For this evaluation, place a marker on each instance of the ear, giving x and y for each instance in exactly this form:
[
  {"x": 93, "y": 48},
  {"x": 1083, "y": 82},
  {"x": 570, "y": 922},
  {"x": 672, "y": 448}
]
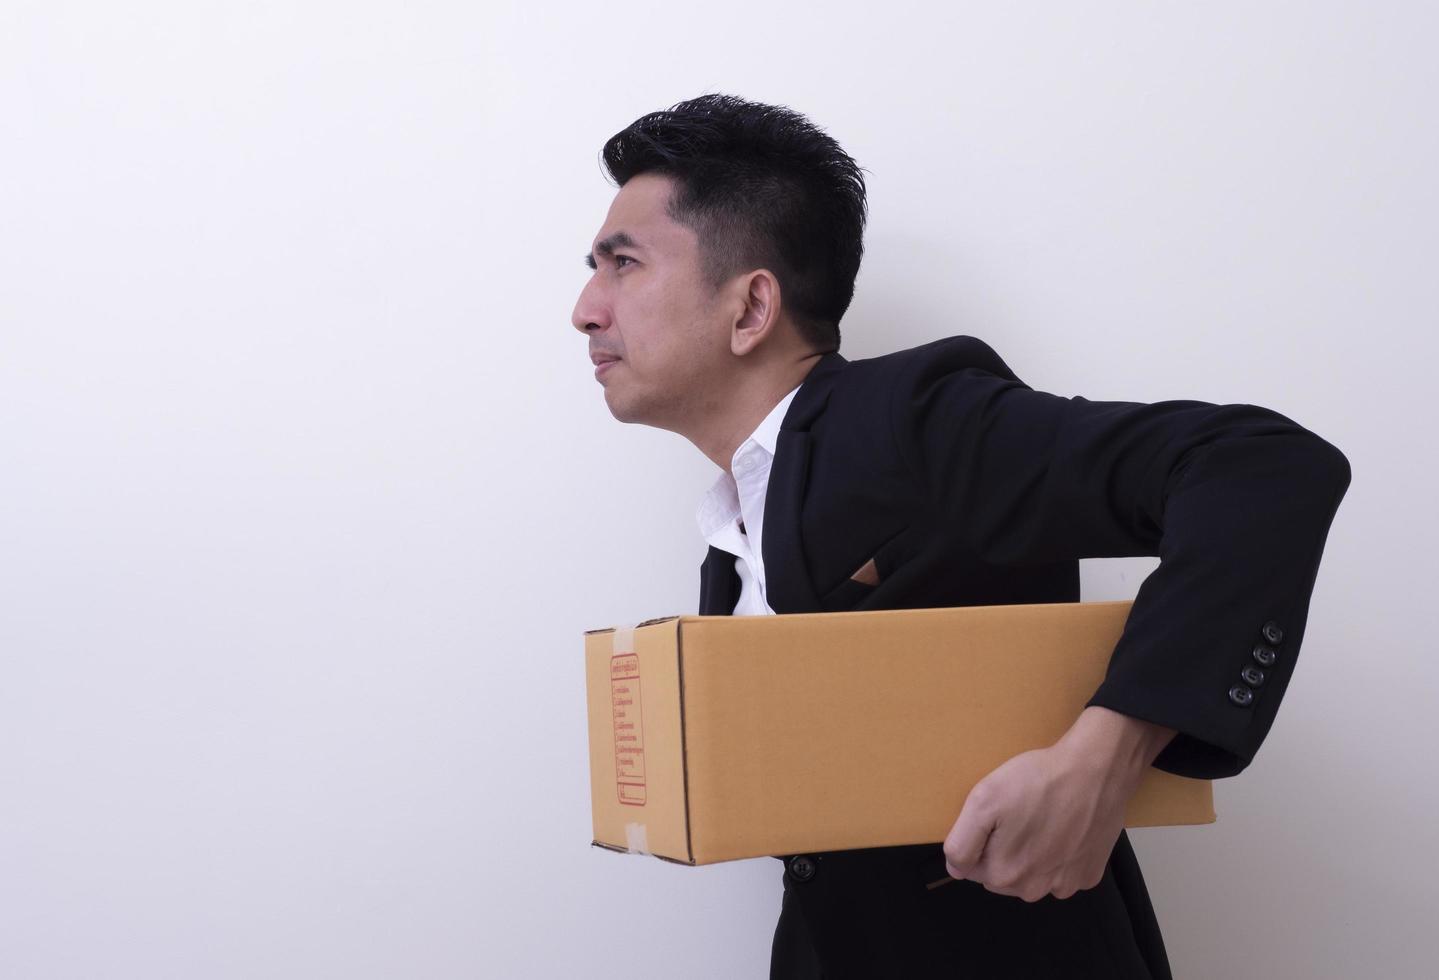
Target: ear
[{"x": 758, "y": 314}]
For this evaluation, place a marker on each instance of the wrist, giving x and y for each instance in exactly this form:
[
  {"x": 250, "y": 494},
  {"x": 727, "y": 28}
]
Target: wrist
[{"x": 1118, "y": 744}]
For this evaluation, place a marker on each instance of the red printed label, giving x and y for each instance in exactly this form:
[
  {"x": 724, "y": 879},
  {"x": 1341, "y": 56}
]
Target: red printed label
[{"x": 629, "y": 730}]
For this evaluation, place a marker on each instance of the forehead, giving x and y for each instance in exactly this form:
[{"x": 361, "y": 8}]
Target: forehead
[{"x": 638, "y": 210}]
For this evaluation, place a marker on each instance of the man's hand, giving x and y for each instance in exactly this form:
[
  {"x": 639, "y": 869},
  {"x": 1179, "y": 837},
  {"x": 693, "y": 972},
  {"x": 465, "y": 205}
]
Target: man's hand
[{"x": 1045, "y": 822}]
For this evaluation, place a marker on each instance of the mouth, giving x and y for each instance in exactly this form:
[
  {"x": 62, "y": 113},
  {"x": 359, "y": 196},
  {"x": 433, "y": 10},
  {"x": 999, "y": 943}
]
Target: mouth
[{"x": 603, "y": 365}]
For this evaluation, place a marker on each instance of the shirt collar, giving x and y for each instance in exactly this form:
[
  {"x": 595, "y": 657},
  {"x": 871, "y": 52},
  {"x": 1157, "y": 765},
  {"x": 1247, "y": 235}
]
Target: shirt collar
[
  {"x": 720, "y": 504},
  {"x": 767, "y": 432}
]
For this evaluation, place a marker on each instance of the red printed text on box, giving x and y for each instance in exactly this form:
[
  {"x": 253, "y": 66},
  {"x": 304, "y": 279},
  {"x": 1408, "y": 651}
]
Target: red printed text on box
[{"x": 629, "y": 728}]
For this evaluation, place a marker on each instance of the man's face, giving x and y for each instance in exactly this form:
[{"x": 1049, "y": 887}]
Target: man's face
[{"x": 647, "y": 305}]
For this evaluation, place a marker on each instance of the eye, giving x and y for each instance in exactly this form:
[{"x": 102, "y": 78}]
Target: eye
[{"x": 624, "y": 258}]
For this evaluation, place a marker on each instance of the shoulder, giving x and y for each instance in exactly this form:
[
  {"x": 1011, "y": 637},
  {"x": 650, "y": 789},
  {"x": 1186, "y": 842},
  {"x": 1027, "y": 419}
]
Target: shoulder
[{"x": 906, "y": 372}]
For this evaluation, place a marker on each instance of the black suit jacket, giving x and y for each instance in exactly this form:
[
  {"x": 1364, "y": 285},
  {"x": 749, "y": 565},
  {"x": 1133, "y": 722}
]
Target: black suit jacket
[{"x": 967, "y": 487}]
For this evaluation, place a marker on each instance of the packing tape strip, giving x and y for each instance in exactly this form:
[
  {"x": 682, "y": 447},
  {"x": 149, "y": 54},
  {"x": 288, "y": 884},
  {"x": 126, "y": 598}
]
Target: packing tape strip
[
  {"x": 624, "y": 641},
  {"x": 636, "y": 839}
]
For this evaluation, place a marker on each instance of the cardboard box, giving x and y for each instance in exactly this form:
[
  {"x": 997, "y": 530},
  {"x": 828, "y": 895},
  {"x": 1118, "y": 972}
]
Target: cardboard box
[{"x": 714, "y": 738}]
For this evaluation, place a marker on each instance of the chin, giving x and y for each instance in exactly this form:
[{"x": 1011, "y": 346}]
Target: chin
[{"x": 620, "y": 409}]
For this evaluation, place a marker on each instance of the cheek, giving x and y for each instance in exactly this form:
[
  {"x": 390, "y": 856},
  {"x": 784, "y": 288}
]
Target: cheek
[{"x": 668, "y": 335}]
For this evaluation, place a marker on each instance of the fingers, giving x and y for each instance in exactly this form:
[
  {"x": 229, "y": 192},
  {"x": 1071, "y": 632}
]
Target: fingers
[
  {"x": 964, "y": 847},
  {"x": 1031, "y": 830},
  {"x": 1035, "y": 887}
]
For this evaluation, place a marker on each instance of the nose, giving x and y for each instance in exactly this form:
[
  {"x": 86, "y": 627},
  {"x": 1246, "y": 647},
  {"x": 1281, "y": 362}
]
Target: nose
[{"x": 590, "y": 309}]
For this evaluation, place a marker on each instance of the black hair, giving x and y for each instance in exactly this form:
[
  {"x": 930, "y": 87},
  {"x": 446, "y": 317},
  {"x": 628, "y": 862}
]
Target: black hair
[{"x": 762, "y": 187}]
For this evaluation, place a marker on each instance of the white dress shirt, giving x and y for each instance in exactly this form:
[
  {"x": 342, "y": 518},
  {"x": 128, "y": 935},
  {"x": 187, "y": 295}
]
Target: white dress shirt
[{"x": 731, "y": 514}]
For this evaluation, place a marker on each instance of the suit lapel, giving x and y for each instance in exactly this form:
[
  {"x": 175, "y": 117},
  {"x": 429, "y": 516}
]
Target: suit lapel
[
  {"x": 788, "y": 586},
  {"x": 787, "y": 580},
  {"x": 719, "y": 583}
]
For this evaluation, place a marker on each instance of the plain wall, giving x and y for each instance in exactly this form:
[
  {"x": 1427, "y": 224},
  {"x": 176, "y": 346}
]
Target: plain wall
[{"x": 307, "y": 491}]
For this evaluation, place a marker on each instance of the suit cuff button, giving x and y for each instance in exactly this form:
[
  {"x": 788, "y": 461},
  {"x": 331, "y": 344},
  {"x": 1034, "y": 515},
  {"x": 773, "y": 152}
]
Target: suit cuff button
[
  {"x": 1272, "y": 632},
  {"x": 1241, "y": 695}
]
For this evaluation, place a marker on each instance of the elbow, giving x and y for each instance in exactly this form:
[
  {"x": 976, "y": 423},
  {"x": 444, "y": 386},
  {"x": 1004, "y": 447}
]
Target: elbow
[{"x": 1333, "y": 465}]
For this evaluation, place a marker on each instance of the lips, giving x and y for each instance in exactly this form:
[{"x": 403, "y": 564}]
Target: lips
[
  {"x": 599, "y": 359},
  {"x": 603, "y": 365}
]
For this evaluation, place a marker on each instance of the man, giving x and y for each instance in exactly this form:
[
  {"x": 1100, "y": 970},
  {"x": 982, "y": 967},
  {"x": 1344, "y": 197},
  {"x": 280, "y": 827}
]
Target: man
[{"x": 935, "y": 477}]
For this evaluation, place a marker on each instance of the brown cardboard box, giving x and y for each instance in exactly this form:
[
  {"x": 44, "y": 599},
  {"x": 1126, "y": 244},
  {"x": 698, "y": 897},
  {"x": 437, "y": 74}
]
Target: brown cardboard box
[{"x": 714, "y": 738}]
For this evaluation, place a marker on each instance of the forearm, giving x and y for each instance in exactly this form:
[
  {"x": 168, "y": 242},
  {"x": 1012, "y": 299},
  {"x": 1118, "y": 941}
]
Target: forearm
[{"x": 1244, "y": 529}]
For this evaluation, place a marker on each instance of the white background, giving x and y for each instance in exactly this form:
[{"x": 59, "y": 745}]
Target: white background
[{"x": 307, "y": 491}]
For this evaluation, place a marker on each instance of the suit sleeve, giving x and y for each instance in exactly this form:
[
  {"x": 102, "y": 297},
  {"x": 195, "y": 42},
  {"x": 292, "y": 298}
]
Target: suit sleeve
[{"x": 1235, "y": 500}]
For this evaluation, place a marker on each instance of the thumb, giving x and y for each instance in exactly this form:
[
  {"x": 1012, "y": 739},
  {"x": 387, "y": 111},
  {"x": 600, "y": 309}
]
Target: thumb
[{"x": 965, "y": 844}]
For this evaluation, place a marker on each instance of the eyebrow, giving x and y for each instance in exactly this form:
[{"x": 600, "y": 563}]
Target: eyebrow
[{"x": 607, "y": 246}]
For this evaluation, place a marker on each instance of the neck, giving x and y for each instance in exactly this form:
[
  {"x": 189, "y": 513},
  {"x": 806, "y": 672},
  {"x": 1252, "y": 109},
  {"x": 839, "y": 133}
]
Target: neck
[{"x": 745, "y": 404}]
